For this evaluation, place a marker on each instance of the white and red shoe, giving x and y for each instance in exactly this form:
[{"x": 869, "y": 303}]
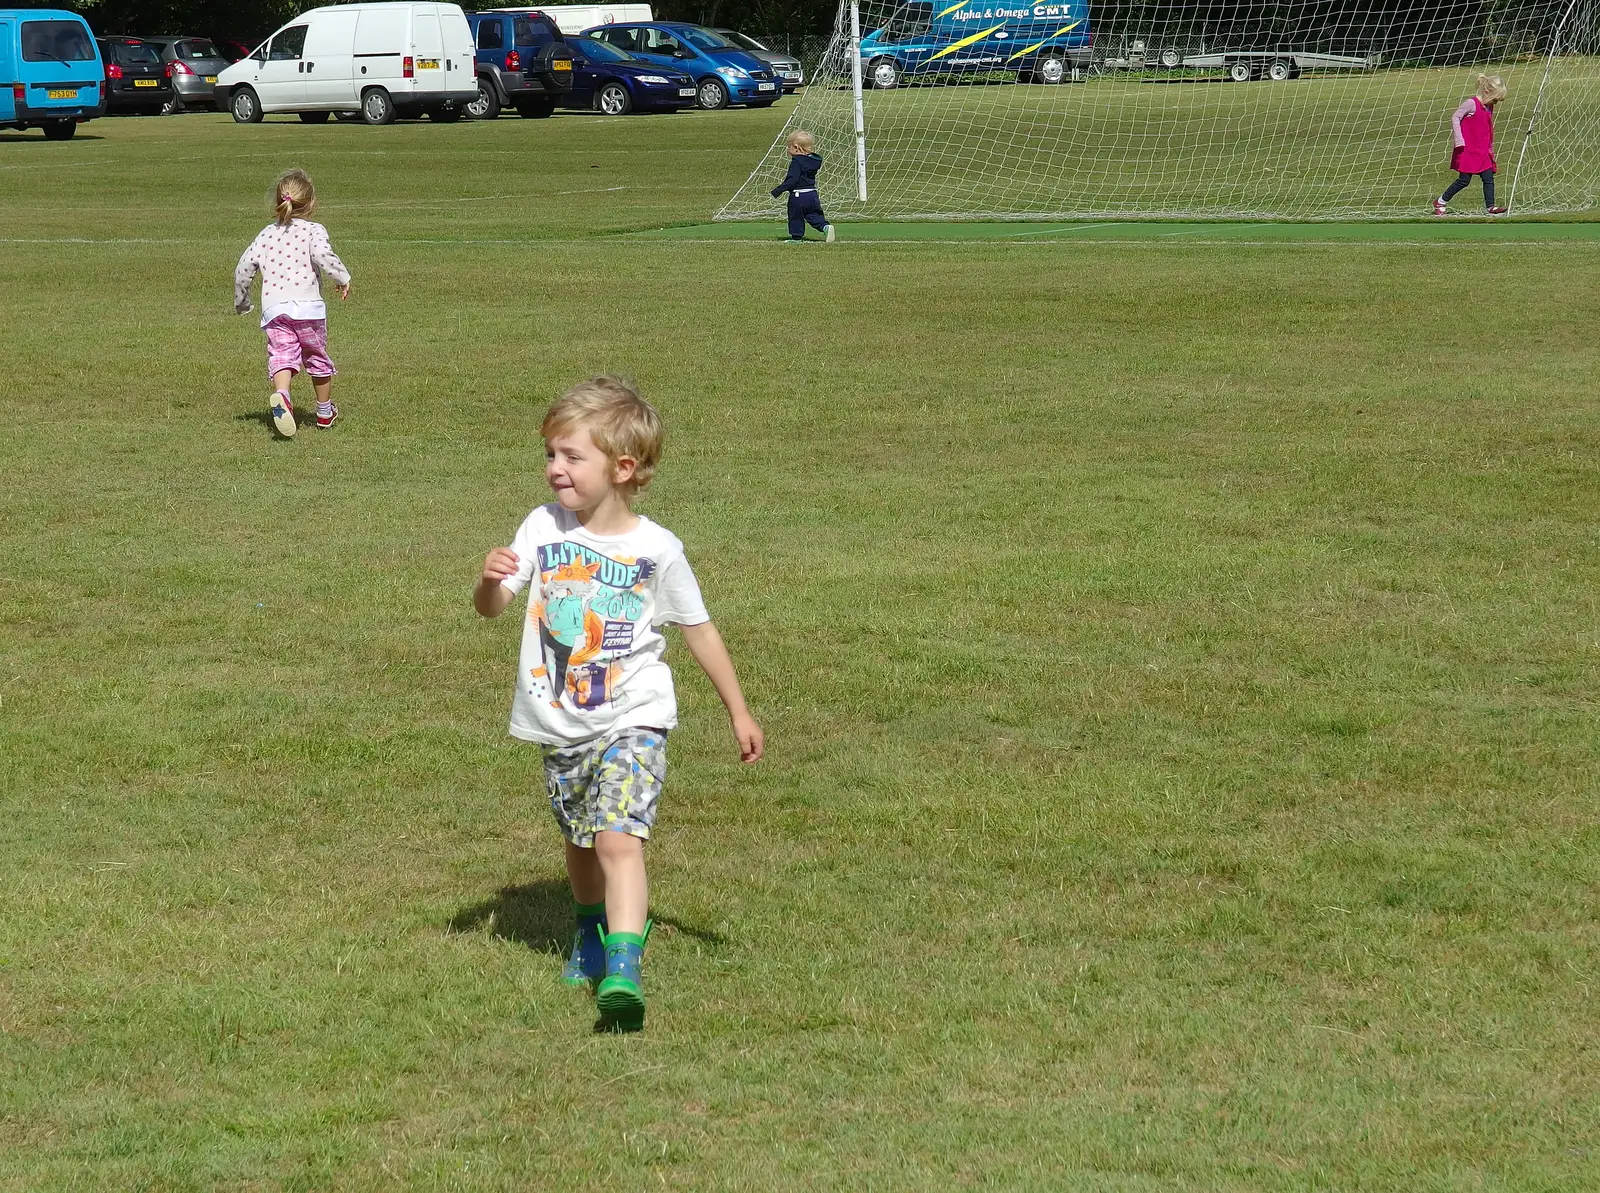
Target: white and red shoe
[{"x": 1439, "y": 207}]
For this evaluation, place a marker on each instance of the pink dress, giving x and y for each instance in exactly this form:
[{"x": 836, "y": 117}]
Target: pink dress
[{"x": 1474, "y": 136}]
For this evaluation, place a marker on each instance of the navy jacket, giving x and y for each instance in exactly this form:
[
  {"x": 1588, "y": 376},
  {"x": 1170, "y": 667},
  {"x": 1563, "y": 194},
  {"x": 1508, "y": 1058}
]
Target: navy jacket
[{"x": 802, "y": 173}]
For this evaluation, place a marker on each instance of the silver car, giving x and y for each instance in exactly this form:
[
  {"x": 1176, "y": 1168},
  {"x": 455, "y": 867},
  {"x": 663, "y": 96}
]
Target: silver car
[
  {"x": 194, "y": 62},
  {"x": 785, "y": 66}
]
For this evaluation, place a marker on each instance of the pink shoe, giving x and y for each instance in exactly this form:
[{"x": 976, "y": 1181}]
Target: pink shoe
[
  {"x": 1494, "y": 211},
  {"x": 1439, "y": 207},
  {"x": 326, "y": 421}
]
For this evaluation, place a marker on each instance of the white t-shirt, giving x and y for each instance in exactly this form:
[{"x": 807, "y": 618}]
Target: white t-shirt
[{"x": 592, "y": 653}]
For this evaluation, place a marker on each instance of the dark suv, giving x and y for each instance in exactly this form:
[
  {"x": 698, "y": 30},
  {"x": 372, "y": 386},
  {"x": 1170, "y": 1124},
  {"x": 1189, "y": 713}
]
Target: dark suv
[
  {"x": 136, "y": 78},
  {"x": 522, "y": 63}
]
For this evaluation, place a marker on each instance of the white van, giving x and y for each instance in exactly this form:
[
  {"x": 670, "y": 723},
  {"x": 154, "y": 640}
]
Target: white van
[
  {"x": 575, "y": 18},
  {"x": 382, "y": 60}
]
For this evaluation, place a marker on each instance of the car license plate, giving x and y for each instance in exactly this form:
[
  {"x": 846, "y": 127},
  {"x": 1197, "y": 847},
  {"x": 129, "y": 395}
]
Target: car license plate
[
  {"x": 211, "y": 78},
  {"x": 62, "y": 94},
  {"x": 427, "y": 64},
  {"x": 144, "y": 82},
  {"x": 766, "y": 86},
  {"x": 685, "y": 90}
]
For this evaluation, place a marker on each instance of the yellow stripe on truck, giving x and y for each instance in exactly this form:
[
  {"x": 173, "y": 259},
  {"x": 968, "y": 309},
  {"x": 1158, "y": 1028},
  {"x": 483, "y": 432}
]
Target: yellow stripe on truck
[
  {"x": 1037, "y": 44},
  {"x": 951, "y": 9},
  {"x": 965, "y": 41}
]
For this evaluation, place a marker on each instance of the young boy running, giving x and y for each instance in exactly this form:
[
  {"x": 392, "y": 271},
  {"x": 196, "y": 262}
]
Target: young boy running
[{"x": 593, "y": 687}]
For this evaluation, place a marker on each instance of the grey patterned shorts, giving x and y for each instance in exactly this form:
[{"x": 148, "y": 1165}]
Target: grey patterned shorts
[{"x": 611, "y": 783}]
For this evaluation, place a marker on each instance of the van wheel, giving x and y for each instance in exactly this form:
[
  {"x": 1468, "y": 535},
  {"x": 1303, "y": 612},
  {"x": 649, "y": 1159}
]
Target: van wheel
[
  {"x": 1050, "y": 70},
  {"x": 376, "y": 106},
  {"x": 614, "y": 100},
  {"x": 314, "y": 117},
  {"x": 536, "y": 109},
  {"x": 487, "y": 104},
  {"x": 711, "y": 95},
  {"x": 883, "y": 73},
  {"x": 445, "y": 115},
  {"x": 244, "y": 105},
  {"x": 59, "y": 130}
]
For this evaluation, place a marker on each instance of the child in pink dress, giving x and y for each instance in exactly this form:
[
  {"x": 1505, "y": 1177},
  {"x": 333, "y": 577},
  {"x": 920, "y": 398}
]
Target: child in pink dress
[
  {"x": 292, "y": 254},
  {"x": 1473, "y": 126}
]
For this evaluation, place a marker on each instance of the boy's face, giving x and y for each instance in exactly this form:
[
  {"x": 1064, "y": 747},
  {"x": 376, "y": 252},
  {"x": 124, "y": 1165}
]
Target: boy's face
[{"x": 579, "y": 472}]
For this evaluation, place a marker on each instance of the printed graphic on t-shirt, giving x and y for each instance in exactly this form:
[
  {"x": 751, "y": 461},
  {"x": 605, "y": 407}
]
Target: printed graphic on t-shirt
[{"x": 588, "y": 611}]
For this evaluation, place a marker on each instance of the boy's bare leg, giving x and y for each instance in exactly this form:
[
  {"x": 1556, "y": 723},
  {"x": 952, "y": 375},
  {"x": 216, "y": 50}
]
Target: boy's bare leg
[
  {"x": 627, "y": 894},
  {"x": 584, "y": 874}
]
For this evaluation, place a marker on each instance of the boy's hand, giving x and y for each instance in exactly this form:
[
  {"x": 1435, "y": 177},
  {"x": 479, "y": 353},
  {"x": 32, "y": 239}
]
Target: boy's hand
[
  {"x": 776, "y": 191},
  {"x": 752, "y": 742},
  {"x": 501, "y": 564}
]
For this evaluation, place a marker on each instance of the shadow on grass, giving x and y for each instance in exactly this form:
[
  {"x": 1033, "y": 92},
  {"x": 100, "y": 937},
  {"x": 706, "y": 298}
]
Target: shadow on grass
[{"x": 539, "y": 915}]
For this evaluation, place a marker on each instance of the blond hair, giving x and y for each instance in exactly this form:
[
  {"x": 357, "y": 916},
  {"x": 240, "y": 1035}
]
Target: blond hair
[
  {"x": 618, "y": 419},
  {"x": 800, "y": 141},
  {"x": 293, "y": 196},
  {"x": 1491, "y": 90}
]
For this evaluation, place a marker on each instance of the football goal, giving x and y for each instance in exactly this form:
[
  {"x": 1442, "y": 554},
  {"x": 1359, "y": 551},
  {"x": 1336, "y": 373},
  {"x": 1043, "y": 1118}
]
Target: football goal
[{"x": 1302, "y": 109}]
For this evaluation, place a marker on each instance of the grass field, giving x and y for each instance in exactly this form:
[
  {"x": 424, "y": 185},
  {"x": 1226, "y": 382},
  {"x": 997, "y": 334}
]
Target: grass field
[
  {"x": 1178, "y": 662},
  {"x": 1329, "y": 145}
]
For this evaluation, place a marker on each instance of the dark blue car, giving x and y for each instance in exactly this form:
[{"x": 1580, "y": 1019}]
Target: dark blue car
[
  {"x": 613, "y": 81},
  {"x": 723, "y": 73}
]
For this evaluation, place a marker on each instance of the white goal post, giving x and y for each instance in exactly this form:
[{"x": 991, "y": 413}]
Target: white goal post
[{"x": 1299, "y": 109}]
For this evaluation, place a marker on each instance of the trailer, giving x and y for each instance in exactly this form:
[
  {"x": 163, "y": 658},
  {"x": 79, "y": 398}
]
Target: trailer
[{"x": 1243, "y": 66}]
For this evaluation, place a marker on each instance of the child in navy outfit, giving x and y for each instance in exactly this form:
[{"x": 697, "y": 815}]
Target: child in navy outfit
[{"x": 801, "y": 183}]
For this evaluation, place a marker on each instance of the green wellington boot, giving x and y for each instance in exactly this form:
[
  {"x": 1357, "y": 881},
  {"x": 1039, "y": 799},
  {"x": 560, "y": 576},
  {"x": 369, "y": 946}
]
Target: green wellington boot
[{"x": 621, "y": 994}]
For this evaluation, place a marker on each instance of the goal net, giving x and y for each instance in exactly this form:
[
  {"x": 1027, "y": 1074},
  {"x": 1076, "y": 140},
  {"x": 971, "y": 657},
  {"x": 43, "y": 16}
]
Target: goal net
[{"x": 1303, "y": 109}]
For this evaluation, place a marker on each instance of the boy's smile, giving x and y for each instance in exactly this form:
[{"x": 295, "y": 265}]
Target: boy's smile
[{"x": 583, "y": 478}]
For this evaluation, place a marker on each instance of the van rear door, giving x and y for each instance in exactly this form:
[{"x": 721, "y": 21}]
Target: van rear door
[
  {"x": 427, "y": 44},
  {"x": 8, "y": 105},
  {"x": 458, "y": 52},
  {"x": 330, "y": 70}
]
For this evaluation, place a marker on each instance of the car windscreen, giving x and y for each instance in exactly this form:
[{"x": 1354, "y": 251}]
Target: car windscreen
[
  {"x": 744, "y": 41},
  {"x": 56, "y": 41},
  {"x": 140, "y": 54},
  {"x": 600, "y": 51},
  {"x": 704, "y": 39},
  {"x": 199, "y": 49}
]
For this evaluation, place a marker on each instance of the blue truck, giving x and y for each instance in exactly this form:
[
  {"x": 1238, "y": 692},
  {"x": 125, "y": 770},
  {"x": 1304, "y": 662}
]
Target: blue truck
[
  {"x": 51, "y": 74},
  {"x": 921, "y": 41}
]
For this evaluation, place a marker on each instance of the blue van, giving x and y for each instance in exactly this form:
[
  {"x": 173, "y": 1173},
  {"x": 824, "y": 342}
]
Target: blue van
[
  {"x": 50, "y": 71},
  {"x": 723, "y": 73},
  {"x": 1042, "y": 43}
]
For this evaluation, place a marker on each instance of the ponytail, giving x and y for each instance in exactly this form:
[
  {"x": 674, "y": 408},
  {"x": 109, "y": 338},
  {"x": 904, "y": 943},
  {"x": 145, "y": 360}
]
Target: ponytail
[{"x": 292, "y": 197}]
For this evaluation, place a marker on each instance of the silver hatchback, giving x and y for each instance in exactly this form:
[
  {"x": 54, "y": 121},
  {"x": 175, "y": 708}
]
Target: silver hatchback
[
  {"x": 194, "y": 62},
  {"x": 786, "y": 67}
]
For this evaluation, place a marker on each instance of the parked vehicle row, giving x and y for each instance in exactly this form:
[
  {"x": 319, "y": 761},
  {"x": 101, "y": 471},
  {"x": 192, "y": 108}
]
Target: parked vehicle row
[{"x": 381, "y": 61}]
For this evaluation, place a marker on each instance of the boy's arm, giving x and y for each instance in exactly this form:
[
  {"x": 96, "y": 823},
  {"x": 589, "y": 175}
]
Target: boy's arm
[
  {"x": 489, "y": 596},
  {"x": 789, "y": 179},
  {"x": 705, "y": 644}
]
